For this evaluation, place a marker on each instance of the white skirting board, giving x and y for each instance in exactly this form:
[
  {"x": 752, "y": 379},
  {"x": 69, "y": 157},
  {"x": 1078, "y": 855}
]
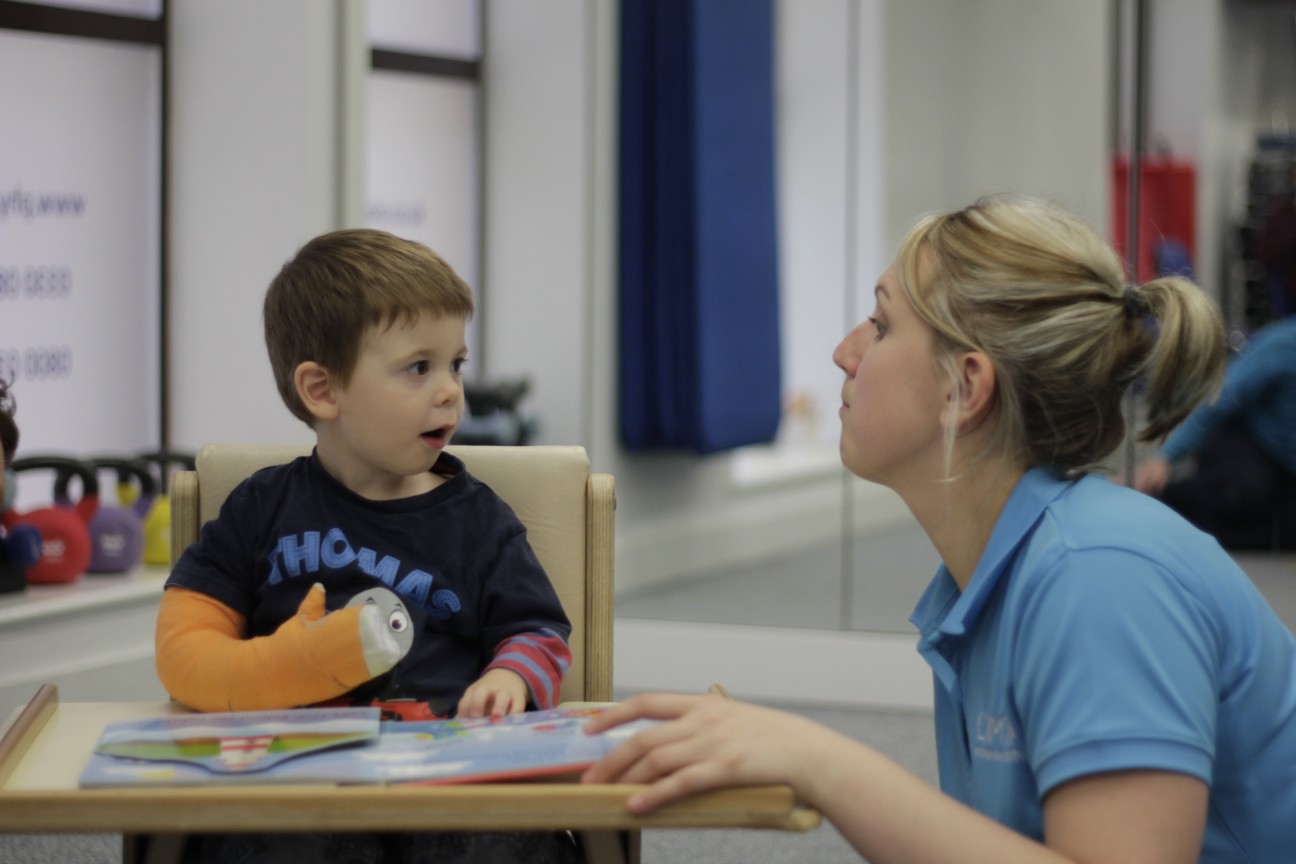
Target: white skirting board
[{"x": 93, "y": 638}]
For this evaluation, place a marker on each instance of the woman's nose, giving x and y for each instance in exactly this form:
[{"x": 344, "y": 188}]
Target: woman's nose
[{"x": 845, "y": 355}]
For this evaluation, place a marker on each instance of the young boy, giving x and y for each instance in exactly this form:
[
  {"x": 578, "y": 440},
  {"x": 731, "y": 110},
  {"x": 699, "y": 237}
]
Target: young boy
[{"x": 366, "y": 339}]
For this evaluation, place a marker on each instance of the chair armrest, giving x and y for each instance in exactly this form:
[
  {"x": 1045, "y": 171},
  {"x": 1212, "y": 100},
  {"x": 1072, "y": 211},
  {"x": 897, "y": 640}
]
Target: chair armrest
[{"x": 600, "y": 553}]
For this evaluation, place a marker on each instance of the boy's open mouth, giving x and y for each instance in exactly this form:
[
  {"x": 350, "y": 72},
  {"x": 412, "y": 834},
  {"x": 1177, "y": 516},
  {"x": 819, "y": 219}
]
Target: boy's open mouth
[{"x": 438, "y": 437}]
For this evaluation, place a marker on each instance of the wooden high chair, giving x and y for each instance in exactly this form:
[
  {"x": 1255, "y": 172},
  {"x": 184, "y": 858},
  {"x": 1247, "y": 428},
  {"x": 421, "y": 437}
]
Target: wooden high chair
[{"x": 569, "y": 514}]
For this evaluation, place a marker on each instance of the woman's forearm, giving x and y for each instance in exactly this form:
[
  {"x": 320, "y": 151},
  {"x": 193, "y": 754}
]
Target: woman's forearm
[{"x": 893, "y": 817}]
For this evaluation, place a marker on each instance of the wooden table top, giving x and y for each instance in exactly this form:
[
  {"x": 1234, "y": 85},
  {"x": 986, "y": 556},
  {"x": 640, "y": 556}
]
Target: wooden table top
[{"x": 46, "y": 745}]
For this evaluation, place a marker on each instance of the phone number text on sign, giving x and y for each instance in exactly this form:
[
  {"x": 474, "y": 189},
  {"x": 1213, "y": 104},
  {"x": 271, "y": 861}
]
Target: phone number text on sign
[
  {"x": 39, "y": 363},
  {"x": 35, "y": 283}
]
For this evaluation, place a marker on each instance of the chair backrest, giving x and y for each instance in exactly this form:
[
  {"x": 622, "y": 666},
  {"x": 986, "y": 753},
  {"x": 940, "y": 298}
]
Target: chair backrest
[{"x": 569, "y": 514}]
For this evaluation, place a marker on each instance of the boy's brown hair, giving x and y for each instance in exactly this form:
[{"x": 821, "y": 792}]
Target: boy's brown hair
[{"x": 339, "y": 285}]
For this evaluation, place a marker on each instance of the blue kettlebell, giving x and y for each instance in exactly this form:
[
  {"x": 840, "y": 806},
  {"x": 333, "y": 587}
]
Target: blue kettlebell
[
  {"x": 20, "y": 547},
  {"x": 64, "y": 530},
  {"x": 116, "y": 533}
]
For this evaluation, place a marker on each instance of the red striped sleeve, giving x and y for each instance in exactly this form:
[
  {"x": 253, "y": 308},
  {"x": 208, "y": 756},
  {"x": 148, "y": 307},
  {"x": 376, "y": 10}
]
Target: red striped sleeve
[{"x": 541, "y": 657}]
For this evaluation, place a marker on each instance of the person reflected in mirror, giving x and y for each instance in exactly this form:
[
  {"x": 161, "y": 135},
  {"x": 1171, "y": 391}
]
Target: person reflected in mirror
[
  {"x": 1109, "y": 685},
  {"x": 1230, "y": 467}
]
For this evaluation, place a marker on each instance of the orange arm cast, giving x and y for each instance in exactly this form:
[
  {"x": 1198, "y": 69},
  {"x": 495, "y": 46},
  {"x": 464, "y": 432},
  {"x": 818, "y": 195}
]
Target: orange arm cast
[{"x": 205, "y": 663}]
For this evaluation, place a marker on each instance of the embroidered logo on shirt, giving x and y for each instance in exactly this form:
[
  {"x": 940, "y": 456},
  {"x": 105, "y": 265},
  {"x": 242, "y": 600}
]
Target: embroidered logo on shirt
[
  {"x": 996, "y": 739},
  {"x": 306, "y": 553}
]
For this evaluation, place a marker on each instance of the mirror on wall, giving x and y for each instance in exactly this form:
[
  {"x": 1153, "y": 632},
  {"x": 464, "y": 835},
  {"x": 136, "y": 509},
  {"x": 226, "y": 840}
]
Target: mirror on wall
[
  {"x": 886, "y": 110},
  {"x": 1170, "y": 126},
  {"x": 980, "y": 97}
]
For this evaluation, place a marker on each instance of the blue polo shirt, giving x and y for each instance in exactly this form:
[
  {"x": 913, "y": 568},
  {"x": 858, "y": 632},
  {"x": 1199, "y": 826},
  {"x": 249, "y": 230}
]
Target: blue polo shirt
[{"x": 1102, "y": 632}]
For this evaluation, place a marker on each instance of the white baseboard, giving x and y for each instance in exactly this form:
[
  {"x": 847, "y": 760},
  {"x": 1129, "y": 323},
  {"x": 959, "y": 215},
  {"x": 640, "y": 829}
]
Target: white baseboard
[{"x": 825, "y": 667}]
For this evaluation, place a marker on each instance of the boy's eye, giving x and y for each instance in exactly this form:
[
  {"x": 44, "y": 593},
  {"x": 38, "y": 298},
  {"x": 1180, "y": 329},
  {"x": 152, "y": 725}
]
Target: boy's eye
[
  {"x": 420, "y": 367},
  {"x": 458, "y": 364}
]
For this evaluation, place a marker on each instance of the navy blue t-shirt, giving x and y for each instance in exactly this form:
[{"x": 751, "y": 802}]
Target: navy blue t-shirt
[{"x": 457, "y": 556}]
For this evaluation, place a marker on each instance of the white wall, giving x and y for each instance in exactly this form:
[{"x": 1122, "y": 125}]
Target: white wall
[
  {"x": 255, "y": 157},
  {"x": 831, "y": 187},
  {"x": 536, "y": 282},
  {"x": 987, "y": 96}
]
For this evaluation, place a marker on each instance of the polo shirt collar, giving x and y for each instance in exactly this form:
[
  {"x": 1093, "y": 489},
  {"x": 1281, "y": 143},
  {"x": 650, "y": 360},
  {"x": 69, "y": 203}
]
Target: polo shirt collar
[{"x": 944, "y": 610}]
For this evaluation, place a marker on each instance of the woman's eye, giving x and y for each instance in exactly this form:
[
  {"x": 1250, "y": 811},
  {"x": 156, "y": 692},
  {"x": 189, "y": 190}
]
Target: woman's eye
[{"x": 878, "y": 326}]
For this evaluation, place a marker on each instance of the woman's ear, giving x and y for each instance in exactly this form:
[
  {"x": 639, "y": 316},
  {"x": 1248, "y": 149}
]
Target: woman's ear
[
  {"x": 315, "y": 387},
  {"x": 976, "y": 381}
]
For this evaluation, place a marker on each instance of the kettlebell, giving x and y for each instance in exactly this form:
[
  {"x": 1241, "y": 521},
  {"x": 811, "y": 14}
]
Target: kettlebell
[
  {"x": 157, "y": 524},
  {"x": 19, "y": 548},
  {"x": 64, "y": 530},
  {"x": 116, "y": 533}
]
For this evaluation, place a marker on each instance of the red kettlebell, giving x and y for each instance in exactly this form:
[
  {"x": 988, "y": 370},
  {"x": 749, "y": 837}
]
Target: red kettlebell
[
  {"x": 64, "y": 531},
  {"x": 116, "y": 533}
]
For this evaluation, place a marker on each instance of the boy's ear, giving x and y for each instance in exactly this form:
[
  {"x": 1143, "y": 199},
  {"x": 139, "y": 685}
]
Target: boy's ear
[
  {"x": 315, "y": 386},
  {"x": 977, "y": 382}
]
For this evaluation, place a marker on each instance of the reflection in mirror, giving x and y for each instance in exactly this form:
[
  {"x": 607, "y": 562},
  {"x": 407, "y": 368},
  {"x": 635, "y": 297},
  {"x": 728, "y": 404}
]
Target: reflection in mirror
[
  {"x": 886, "y": 110},
  {"x": 979, "y": 97}
]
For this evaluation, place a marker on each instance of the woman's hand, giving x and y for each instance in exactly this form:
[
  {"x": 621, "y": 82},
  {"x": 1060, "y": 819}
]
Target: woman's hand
[
  {"x": 708, "y": 742},
  {"x": 885, "y": 812}
]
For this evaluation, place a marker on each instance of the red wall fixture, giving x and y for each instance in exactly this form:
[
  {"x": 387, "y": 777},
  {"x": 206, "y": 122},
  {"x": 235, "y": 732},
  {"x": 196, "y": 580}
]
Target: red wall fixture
[{"x": 1167, "y": 209}]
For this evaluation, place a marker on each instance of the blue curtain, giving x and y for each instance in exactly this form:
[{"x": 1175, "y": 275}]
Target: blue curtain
[{"x": 699, "y": 329}]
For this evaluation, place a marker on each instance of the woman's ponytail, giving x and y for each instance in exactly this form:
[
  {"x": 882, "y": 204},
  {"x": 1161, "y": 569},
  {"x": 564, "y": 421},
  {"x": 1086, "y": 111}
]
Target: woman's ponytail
[{"x": 1186, "y": 363}]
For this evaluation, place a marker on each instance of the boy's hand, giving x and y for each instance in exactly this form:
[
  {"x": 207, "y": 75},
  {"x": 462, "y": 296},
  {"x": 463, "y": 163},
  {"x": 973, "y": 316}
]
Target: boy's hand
[{"x": 496, "y": 693}]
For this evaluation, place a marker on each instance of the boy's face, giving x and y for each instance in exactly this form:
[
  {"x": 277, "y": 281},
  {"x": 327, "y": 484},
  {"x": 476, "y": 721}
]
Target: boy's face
[{"x": 400, "y": 407}]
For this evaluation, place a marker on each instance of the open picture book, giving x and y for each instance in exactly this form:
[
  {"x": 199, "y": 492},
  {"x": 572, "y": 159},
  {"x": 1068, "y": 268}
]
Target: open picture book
[{"x": 345, "y": 746}]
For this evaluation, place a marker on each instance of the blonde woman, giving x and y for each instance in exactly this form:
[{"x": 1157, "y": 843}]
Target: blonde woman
[{"x": 1109, "y": 686}]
